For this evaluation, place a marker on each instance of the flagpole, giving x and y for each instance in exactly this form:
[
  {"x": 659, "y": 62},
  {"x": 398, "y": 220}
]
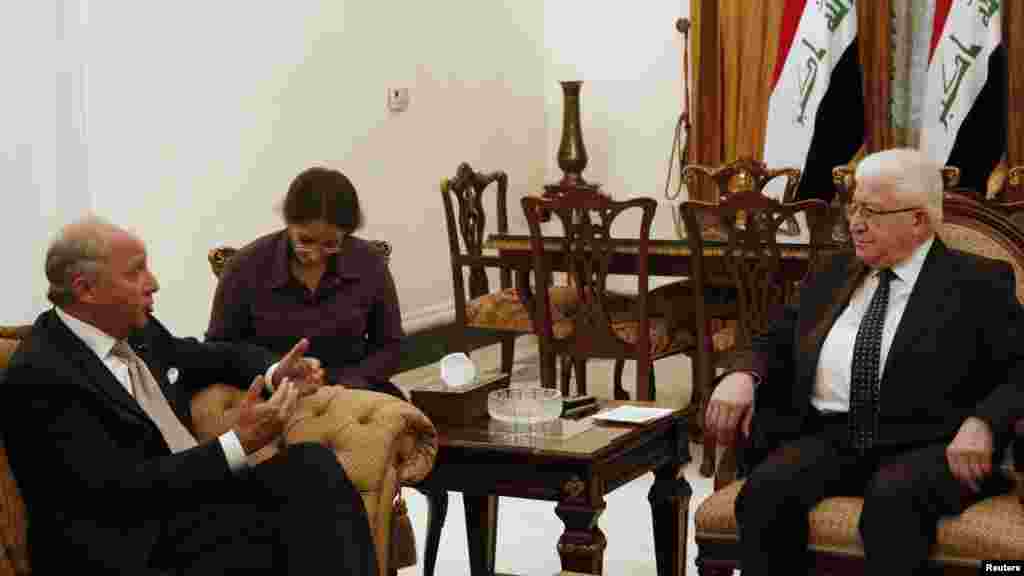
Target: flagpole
[
  {"x": 683, "y": 26},
  {"x": 682, "y": 132}
]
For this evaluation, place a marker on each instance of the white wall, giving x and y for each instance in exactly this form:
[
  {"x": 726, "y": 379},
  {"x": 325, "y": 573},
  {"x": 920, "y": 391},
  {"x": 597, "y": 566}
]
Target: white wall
[
  {"x": 200, "y": 113},
  {"x": 42, "y": 156},
  {"x": 187, "y": 120},
  {"x": 629, "y": 57}
]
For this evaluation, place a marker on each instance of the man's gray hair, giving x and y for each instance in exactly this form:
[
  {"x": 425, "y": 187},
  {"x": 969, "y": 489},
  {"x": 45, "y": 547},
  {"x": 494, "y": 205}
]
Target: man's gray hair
[
  {"x": 910, "y": 175},
  {"x": 80, "y": 248}
]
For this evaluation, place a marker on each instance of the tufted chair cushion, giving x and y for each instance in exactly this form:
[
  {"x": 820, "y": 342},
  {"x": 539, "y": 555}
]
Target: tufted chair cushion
[{"x": 381, "y": 442}]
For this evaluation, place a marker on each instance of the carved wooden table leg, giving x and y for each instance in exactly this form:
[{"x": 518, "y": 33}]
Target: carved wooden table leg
[
  {"x": 670, "y": 503},
  {"x": 581, "y": 546},
  {"x": 481, "y": 532},
  {"x": 437, "y": 502}
]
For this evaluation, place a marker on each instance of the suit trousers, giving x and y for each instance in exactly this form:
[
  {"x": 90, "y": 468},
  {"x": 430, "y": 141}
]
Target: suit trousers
[
  {"x": 297, "y": 513},
  {"x": 906, "y": 489}
]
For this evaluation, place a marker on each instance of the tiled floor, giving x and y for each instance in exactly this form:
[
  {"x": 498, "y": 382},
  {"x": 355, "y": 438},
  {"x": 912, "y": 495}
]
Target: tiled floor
[{"x": 528, "y": 530}]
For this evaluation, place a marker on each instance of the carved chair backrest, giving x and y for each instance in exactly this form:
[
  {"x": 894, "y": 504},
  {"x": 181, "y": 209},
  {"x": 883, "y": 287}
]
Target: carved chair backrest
[
  {"x": 975, "y": 227},
  {"x": 842, "y": 177},
  {"x": 466, "y": 218},
  {"x": 586, "y": 248},
  {"x": 750, "y": 254},
  {"x": 741, "y": 175}
]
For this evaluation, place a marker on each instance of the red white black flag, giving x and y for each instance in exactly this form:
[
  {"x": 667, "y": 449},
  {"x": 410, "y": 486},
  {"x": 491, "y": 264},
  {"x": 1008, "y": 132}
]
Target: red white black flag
[
  {"x": 816, "y": 107},
  {"x": 964, "y": 113}
]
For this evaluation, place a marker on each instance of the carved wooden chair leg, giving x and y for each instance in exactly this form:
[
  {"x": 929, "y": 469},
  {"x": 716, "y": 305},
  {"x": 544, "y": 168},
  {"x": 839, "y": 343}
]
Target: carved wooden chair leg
[
  {"x": 695, "y": 411},
  {"x": 580, "y": 369},
  {"x": 508, "y": 349},
  {"x": 566, "y": 375},
  {"x": 618, "y": 391},
  {"x": 707, "y": 466},
  {"x": 652, "y": 381}
]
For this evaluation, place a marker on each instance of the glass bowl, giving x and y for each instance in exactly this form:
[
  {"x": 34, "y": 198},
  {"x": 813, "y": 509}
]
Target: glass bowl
[{"x": 527, "y": 405}]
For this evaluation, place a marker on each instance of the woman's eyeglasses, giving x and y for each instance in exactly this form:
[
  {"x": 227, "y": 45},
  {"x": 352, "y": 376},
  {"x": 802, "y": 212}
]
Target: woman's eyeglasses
[{"x": 325, "y": 248}]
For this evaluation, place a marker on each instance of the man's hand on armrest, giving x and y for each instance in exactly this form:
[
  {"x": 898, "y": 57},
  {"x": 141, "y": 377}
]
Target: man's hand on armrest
[{"x": 731, "y": 406}]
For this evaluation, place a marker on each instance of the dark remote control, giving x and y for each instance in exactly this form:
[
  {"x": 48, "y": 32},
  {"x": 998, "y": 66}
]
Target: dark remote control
[
  {"x": 580, "y": 411},
  {"x": 577, "y": 401}
]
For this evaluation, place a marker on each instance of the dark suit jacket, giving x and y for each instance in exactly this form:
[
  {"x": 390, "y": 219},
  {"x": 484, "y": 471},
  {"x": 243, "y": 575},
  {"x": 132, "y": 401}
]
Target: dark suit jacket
[
  {"x": 957, "y": 352},
  {"x": 96, "y": 475}
]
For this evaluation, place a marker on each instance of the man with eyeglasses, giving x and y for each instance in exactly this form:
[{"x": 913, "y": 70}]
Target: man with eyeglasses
[{"x": 896, "y": 378}]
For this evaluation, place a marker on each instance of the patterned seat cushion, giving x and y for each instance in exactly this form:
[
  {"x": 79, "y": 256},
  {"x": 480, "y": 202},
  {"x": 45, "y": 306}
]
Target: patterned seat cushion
[
  {"x": 992, "y": 529},
  {"x": 504, "y": 310},
  {"x": 661, "y": 340}
]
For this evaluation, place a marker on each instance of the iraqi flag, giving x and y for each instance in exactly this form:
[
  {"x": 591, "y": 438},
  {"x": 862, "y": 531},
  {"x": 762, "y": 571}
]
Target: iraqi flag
[
  {"x": 816, "y": 107},
  {"x": 964, "y": 122}
]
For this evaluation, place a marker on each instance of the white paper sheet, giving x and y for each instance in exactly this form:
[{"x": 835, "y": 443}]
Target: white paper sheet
[{"x": 632, "y": 414}]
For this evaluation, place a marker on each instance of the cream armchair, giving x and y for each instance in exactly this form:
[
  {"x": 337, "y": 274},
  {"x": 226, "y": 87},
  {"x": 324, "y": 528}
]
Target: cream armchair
[{"x": 381, "y": 441}]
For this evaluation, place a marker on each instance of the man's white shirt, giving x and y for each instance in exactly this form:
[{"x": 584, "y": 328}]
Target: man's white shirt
[{"x": 831, "y": 392}]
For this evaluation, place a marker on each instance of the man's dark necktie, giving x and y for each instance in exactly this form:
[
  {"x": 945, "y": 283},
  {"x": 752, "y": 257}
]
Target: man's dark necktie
[{"x": 864, "y": 371}]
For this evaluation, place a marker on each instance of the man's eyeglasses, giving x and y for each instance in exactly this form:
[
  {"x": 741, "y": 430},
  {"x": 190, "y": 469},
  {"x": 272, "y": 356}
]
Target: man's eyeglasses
[{"x": 871, "y": 214}]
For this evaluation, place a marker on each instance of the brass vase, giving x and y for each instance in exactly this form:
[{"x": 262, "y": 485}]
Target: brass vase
[{"x": 572, "y": 154}]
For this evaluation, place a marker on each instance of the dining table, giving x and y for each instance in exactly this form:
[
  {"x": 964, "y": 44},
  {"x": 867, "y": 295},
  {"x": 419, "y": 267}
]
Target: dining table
[
  {"x": 668, "y": 258},
  {"x": 665, "y": 257}
]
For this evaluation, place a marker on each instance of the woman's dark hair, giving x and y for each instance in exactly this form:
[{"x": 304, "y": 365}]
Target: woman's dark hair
[{"x": 323, "y": 194}]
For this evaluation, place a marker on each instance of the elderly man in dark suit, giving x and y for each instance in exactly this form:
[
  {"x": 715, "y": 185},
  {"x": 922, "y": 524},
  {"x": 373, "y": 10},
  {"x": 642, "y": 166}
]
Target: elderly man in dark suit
[
  {"x": 897, "y": 378},
  {"x": 92, "y": 417}
]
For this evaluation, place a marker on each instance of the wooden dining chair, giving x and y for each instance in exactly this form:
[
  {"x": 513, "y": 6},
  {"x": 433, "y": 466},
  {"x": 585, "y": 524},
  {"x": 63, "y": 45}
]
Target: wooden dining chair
[
  {"x": 745, "y": 255},
  {"x": 742, "y": 175},
  {"x": 484, "y": 316},
  {"x": 604, "y": 324}
]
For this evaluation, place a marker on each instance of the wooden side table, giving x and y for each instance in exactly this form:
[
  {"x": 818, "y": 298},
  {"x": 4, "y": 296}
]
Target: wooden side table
[{"x": 576, "y": 472}]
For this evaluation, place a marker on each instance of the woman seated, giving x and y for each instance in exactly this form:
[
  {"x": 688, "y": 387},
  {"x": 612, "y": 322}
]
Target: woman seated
[{"x": 315, "y": 279}]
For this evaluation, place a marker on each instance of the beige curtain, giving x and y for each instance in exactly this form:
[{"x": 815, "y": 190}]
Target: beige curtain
[{"x": 734, "y": 44}]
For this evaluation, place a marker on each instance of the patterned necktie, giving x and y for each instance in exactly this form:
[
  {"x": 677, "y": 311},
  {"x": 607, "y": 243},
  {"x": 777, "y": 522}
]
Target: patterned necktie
[
  {"x": 864, "y": 371},
  {"x": 148, "y": 394}
]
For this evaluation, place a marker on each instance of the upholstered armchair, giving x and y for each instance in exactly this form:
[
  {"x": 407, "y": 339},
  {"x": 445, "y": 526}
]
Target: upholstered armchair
[
  {"x": 992, "y": 529},
  {"x": 381, "y": 441}
]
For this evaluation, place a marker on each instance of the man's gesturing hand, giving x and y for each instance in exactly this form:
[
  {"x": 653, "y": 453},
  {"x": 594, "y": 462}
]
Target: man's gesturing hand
[
  {"x": 260, "y": 423},
  {"x": 305, "y": 372}
]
